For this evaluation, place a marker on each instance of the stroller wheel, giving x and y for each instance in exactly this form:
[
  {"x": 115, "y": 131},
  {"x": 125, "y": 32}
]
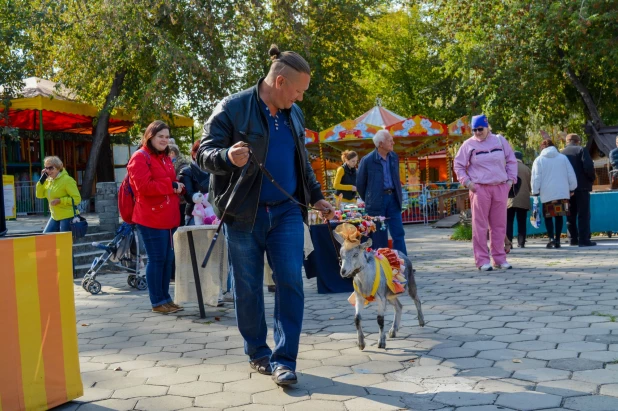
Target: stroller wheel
[
  {"x": 94, "y": 287},
  {"x": 140, "y": 283},
  {"x": 131, "y": 280},
  {"x": 85, "y": 283}
]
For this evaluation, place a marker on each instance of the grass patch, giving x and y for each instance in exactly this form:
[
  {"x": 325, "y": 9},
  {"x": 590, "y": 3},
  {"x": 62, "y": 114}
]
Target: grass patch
[
  {"x": 613, "y": 362},
  {"x": 462, "y": 233},
  {"x": 612, "y": 318}
]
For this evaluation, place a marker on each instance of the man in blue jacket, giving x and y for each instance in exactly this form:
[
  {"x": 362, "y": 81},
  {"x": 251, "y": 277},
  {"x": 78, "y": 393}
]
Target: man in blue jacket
[{"x": 378, "y": 184}]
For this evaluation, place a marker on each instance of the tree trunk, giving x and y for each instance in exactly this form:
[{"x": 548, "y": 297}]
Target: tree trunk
[
  {"x": 105, "y": 166},
  {"x": 99, "y": 135},
  {"x": 589, "y": 103}
]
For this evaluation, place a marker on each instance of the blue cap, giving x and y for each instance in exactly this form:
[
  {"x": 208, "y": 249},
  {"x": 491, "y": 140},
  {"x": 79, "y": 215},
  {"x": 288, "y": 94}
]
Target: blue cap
[
  {"x": 479, "y": 121},
  {"x": 519, "y": 155}
]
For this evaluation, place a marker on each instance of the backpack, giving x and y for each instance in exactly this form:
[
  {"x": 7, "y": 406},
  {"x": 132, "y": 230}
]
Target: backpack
[{"x": 126, "y": 197}]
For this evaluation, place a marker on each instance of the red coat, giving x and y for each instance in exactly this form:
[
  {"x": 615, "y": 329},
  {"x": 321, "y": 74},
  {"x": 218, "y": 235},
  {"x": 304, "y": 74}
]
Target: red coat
[{"x": 156, "y": 204}]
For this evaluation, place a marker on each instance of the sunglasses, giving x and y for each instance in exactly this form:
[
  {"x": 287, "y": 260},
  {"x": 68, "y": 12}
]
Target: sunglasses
[
  {"x": 478, "y": 130},
  {"x": 50, "y": 168}
]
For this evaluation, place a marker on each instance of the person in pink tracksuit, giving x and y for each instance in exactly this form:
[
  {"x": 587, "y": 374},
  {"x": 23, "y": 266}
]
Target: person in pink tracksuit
[{"x": 486, "y": 165}]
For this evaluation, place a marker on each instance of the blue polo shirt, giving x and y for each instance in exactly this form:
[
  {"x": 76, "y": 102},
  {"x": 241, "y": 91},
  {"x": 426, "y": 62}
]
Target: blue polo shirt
[
  {"x": 280, "y": 157},
  {"x": 386, "y": 171}
]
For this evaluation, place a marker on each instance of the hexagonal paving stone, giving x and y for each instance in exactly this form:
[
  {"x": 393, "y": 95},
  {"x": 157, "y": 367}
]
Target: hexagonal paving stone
[
  {"x": 223, "y": 400},
  {"x": 345, "y": 360},
  {"x": 395, "y": 388},
  {"x": 575, "y": 364},
  {"x": 484, "y": 345},
  {"x": 377, "y": 367},
  {"x": 375, "y": 402},
  {"x": 608, "y": 389},
  {"x": 567, "y": 388},
  {"x": 505, "y": 385},
  {"x": 528, "y": 401},
  {"x": 484, "y": 324},
  {"x": 328, "y": 371},
  {"x": 541, "y": 374},
  {"x": 203, "y": 369},
  {"x": 552, "y": 354},
  {"x": 503, "y": 354},
  {"x": 253, "y": 385},
  {"x": 94, "y": 394},
  {"x": 111, "y": 404},
  {"x": 597, "y": 376},
  {"x": 603, "y": 339},
  {"x": 255, "y": 407},
  {"x": 592, "y": 403},
  {"x": 460, "y": 399},
  {"x": 532, "y": 345},
  {"x": 561, "y": 338},
  {"x": 166, "y": 403},
  {"x": 582, "y": 346},
  {"x": 140, "y": 391},
  {"x": 191, "y": 388},
  {"x": 172, "y": 379},
  {"x": 454, "y": 352},
  {"x": 415, "y": 373},
  {"x": 484, "y": 373},
  {"x": 280, "y": 397},
  {"x": 120, "y": 382},
  {"x": 467, "y": 363},
  {"x": 337, "y": 392},
  {"x": 151, "y": 372},
  {"x": 605, "y": 356},
  {"x": 316, "y": 405},
  {"x": 485, "y": 408}
]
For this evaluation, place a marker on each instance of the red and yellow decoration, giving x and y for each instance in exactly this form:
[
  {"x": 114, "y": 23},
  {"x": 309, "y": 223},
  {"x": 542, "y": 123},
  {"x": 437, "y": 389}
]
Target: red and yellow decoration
[{"x": 39, "y": 359}]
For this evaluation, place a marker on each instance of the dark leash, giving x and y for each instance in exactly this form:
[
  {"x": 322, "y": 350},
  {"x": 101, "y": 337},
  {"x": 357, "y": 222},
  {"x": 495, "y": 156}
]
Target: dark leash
[{"x": 276, "y": 184}]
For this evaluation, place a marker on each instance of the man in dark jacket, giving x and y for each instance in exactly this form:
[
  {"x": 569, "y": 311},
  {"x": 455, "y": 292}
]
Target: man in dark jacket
[
  {"x": 261, "y": 218},
  {"x": 578, "y": 221},
  {"x": 378, "y": 184}
]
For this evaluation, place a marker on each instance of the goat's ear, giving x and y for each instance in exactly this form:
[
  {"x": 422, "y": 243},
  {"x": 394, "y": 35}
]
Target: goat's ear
[
  {"x": 338, "y": 237},
  {"x": 367, "y": 244}
]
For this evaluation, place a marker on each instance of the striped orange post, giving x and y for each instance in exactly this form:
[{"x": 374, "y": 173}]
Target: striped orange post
[{"x": 39, "y": 359}]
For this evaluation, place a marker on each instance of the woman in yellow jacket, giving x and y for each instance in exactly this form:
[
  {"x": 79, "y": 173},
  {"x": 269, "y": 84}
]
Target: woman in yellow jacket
[
  {"x": 345, "y": 179},
  {"x": 59, "y": 188}
]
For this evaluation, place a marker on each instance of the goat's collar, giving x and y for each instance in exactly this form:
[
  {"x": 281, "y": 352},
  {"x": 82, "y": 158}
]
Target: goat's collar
[{"x": 376, "y": 283}]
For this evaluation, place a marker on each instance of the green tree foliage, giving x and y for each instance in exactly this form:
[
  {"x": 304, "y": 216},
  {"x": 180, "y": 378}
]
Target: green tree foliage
[
  {"x": 549, "y": 62},
  {"x": 402, "y": 65},
  {"x": 144, "y": 56},
  {"x": 325, "y": 32}
]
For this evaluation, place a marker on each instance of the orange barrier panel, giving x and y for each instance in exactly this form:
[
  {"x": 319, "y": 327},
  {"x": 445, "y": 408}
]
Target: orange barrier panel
[{"x": 39, "y": 359}]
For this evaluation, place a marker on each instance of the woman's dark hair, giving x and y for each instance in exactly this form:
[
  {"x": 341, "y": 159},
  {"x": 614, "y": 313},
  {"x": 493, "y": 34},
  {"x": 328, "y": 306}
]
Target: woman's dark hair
[
  {"x": 546, "y": 143},
  {"x": 151, "y": 131},
  {"x": 194, "y": 149},
  {"x": 283, "y": 60},
  {"x": 348, "y": 155}
]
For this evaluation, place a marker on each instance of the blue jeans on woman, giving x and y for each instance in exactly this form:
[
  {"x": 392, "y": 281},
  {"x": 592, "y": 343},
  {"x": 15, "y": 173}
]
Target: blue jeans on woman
[
  {"x": 160, "y": 251},
  {"x": 278, "y": 231},
  {"x": 59, "y": 226}
]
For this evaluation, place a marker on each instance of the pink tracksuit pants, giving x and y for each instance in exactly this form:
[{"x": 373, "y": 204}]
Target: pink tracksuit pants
[{"x": 488, "y": 205}]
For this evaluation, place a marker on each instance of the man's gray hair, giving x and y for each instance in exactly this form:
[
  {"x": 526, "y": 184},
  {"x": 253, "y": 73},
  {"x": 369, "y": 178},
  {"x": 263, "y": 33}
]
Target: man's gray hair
[{"x": 380, "y": 136}]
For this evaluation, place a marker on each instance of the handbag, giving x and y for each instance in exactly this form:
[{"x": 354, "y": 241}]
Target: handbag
[
  {"x": 79, "y": 225},
  {"x": 515, "y": 187}
]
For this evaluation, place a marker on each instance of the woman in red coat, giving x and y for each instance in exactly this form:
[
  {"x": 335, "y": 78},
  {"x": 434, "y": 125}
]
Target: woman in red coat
[{"x": 156, "y": 211}]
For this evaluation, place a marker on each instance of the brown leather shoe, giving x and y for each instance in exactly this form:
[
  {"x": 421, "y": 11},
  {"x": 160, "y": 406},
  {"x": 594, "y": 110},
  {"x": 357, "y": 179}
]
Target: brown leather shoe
[
  {"x": 176, "y": 306},
  {"x": 164, "y": 309}
]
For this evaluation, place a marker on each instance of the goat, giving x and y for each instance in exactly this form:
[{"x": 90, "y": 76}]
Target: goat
[{"x": 360, "y": 265}]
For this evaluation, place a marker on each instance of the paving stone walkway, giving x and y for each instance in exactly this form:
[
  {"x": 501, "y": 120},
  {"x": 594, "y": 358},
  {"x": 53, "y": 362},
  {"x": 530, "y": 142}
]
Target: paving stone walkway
[{"x": 540, "y": 336}]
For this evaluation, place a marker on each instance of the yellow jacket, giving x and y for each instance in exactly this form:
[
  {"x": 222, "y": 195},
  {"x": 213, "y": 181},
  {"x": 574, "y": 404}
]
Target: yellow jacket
[{"x": 63, "y": 187}]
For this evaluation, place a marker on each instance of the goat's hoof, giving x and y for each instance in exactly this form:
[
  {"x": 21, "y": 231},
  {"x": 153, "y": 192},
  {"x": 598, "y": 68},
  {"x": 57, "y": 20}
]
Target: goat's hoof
[
  {"x": 382, "y": 345},
  {"x": 421, "y": 323},
  {"x": 392, "y": 334},
  {"x": 361, "y": 346}
]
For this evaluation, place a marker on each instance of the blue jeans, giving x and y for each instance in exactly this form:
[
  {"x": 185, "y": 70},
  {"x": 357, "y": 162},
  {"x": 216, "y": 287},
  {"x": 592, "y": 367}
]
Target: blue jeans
[
  {"x": 392, "y": 210},
  {"x": 59, "y": 226},
  {"x": 160, "y": 251},
  {"x": 278, "y": 231}
]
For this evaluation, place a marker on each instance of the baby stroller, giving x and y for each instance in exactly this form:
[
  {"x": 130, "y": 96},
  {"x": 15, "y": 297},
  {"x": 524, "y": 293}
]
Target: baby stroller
[{"x": 122, "y": 252}]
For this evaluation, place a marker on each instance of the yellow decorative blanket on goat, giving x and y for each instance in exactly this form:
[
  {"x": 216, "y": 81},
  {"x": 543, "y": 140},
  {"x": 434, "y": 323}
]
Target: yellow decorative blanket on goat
[{"x": 393, "y": 268}]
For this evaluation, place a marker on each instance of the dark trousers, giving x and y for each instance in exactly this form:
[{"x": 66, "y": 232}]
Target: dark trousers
[
  {"x": 549, "y": 224},
  {"x": 522, "y": 216},
  {"x": 578, "y": 222}
]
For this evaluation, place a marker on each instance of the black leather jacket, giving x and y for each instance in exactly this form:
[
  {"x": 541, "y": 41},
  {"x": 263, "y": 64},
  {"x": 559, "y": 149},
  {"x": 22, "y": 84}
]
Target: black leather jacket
[
  {"x": 195, "y": 179},
  {"x": 579, "y": 157},
  {"x": 240, "y": 117}
]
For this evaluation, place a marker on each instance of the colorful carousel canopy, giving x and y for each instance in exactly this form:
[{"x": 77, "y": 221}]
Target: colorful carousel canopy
[
  {"x": 380, "y": 116},
  {"x": 414, "y": 132},
  {"x": 61, "y": 112},
  {"x": 350, "y": 135},
  {"x": 312, "y": 139},
  {"x": 457, "y": 133}
]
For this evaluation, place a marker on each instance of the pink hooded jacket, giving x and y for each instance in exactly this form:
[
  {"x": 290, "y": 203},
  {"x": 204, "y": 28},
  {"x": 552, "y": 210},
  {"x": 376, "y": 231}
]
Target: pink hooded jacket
[{"x": 490, "y": 161}]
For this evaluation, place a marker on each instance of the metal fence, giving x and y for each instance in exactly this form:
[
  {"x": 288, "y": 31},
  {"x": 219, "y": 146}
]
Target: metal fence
[
  {"x": 421, "y": 202},
  {"x": 25, "y": 198}
]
